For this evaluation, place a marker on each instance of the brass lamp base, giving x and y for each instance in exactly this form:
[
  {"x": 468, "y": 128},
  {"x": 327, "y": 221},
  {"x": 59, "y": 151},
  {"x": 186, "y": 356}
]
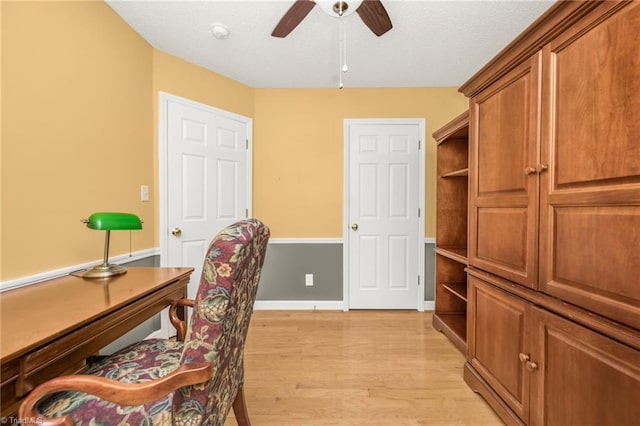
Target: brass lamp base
[{"x": 101, "y": 271}]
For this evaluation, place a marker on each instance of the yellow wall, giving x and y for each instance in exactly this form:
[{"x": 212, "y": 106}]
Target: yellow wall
[
  {"x": 76, "y": 135},
  {"x": 79, "y": 91},
  {"x": 299, "y": 150}
]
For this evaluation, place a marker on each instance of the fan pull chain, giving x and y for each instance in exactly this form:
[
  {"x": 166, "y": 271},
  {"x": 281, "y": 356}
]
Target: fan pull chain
[
  {"x": 345, "y": 68},
  {"x": 343, "y": 51}
]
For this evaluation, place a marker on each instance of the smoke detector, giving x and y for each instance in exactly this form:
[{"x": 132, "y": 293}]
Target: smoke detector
[{"x": 219, "y": 31}]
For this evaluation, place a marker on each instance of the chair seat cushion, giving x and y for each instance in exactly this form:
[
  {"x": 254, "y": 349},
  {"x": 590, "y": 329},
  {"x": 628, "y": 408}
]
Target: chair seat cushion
[{"x": 140, "y": 362}]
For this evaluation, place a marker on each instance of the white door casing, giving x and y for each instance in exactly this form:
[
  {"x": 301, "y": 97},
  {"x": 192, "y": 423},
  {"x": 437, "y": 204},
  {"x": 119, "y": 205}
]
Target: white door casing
[
  {"x": 384, "y": 197},
  {"x": 205, "y": 179}
]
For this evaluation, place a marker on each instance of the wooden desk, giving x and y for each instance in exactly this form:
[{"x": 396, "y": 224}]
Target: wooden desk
[{"x": 49, "y": 329}]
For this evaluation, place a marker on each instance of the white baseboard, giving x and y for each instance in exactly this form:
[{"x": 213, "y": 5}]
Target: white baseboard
[
  {"x": 331, "y": 305},
  {"x": 290, "y": 305}
]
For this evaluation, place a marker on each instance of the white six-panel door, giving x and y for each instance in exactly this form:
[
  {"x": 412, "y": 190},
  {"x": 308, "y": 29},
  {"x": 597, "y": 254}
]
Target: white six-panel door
[
  {"x": 383, "y": 228},
  {"x": 207, "y": 179}
]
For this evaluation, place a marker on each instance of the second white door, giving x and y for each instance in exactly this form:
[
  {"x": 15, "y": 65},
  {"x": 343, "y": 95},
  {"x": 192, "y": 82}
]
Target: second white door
[{"x": 383, "y": 202}]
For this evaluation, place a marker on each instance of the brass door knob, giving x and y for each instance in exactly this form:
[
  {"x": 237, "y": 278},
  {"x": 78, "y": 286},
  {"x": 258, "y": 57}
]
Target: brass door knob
[
  {"x": 354, "y": 226},
  {"x": 176, "y": 232}
]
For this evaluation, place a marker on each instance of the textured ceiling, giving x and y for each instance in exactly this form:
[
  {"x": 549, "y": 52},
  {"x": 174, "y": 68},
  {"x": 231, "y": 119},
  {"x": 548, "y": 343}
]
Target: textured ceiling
[{"x": 432, "y": 43}]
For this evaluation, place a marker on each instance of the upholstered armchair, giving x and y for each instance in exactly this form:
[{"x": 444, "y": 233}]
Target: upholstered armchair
[{"x": 192, "y": 380}]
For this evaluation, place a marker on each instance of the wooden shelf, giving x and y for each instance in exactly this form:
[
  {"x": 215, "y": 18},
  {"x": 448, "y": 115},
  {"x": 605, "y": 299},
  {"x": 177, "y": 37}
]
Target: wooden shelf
[
  {"x": 458, "y": 128},
  {"x": 452, "y": 194},
  {"x": 457, "y": 254},
  {"x": 457, "y": 288},
  {"x": 457, "y": 173},
  {"x": 454, "y": 326}
]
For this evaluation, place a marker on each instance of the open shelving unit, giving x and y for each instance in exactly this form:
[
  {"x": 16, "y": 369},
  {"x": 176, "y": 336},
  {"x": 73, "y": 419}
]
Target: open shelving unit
[{"x": 452, "y": 187}]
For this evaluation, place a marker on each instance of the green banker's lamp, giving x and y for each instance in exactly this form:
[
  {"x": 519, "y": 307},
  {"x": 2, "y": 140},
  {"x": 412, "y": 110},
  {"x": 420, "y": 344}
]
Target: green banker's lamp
[{"x": 109, "y": 221}]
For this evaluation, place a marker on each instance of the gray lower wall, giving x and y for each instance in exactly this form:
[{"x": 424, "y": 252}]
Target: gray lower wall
[
  {"x": 285, "y": 266},
  {"x": 429, "y": 271}
]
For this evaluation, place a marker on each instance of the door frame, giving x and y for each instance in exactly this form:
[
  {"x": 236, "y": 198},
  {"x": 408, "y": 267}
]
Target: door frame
[
  {"x": 163, "y": 167},
  {"x": 421, "y": 123}
]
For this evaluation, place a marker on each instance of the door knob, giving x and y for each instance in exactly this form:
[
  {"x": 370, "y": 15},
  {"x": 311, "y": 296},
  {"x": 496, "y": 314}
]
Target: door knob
[
  {"x": 354, "y": 226},
  {"x": 176, "y": 232}
]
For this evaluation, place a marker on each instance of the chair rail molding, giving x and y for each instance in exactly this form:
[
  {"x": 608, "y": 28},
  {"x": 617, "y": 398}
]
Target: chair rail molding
[
  {"x": 36, "y": 278},
  {"x": 337, "y": 240}
]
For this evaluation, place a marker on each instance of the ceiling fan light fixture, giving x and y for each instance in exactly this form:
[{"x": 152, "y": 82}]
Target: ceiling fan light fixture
[
  {"x": 219, "y": 31},
  {"x": 334, "y": 7}
]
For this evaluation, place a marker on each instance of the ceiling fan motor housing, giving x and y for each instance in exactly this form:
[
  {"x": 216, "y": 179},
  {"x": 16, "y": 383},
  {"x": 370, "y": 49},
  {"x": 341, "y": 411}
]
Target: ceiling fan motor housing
[{"x": 340, "y": 7}]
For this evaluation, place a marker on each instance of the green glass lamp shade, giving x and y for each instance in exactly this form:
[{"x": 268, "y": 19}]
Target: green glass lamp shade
[{"x": 109, "y": 221}]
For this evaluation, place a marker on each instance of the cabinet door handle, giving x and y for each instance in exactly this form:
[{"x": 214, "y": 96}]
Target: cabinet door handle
[
  {"x": 530, "y": 171},
  {"x": 541, "y": 168},
  {"x": 530, "y": 365}
]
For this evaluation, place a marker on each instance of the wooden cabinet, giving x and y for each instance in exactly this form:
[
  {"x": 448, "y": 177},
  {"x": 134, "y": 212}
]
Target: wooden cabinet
[
  {"x": 553, "y": 318},
  {"x": 546, "y": 369},
  {"x": 580, "y": 376},
  {"x": 503, "y": 187},
  {"x": 590, "y": 195},
  {"x": 497, "y": 335},
  {"x": 451, "y": 235},
  {"x": 555, "y": 165}
]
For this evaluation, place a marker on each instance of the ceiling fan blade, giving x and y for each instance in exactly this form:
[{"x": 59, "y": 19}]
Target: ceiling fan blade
[
  {"x": 293, "y": 17},
  {"x": 375, "y": 16}
]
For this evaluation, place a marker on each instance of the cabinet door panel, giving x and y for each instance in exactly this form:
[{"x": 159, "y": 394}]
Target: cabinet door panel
[
  {"x": 496, "y": 338},
  {"x": 583, "y": 378},
  {"x": 503, "y": 119},
  {"x": 597, "y": 82},
  {"x": 509, "y": 247},
  {"x": 503, "y": 192},
  {"x": 590, "y": 196}
]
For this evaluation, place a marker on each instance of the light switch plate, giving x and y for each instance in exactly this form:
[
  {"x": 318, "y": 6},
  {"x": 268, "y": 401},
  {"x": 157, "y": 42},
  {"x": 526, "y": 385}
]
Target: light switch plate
[{"x": 144, "y": 192}]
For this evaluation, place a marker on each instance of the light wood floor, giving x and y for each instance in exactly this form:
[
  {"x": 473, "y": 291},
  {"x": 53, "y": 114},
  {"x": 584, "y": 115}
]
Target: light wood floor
[{"x": 355, "y": 368}]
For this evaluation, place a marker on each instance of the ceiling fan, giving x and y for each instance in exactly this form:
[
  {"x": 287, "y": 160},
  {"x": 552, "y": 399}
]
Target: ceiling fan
[{"x": 372, "y": 13}]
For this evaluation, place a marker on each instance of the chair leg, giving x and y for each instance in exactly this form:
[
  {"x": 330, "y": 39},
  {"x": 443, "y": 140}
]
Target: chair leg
[{"x": 240, "y": 408}]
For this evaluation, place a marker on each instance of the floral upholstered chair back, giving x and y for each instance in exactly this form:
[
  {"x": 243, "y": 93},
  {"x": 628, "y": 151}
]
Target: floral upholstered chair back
[{"x": 220, "y": 320}]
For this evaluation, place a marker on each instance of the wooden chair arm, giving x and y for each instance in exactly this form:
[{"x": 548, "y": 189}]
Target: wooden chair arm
[
  {"x": 180, "y": 325},
  {"x": 112, "y": 390}
]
